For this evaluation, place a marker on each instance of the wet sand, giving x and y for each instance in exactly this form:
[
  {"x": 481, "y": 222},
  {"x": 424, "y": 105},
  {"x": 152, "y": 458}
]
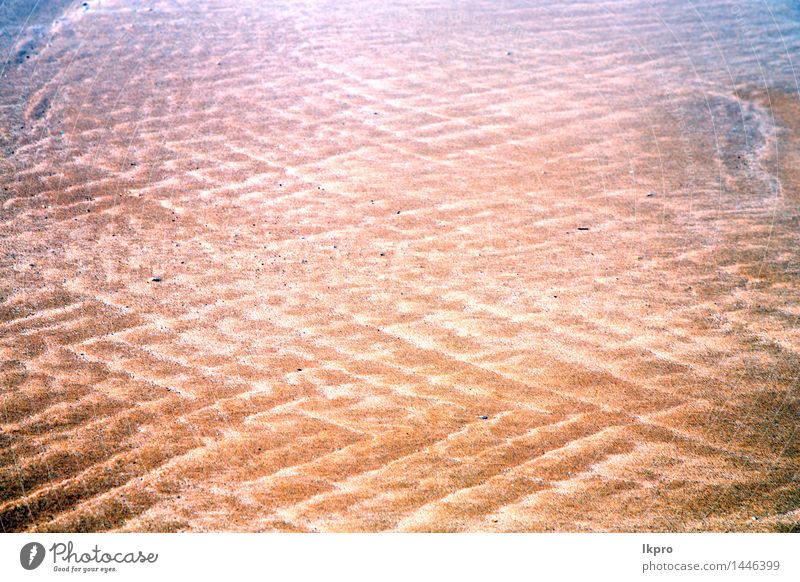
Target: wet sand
[{"x": 493, "y": 266}]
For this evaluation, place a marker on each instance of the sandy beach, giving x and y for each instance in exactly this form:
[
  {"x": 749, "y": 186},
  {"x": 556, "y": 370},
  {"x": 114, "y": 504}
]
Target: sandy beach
[{"x": 400, "y": 266}]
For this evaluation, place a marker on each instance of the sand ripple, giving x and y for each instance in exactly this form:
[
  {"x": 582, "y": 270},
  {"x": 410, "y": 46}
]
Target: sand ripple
[{"x": 320, "y": 267}]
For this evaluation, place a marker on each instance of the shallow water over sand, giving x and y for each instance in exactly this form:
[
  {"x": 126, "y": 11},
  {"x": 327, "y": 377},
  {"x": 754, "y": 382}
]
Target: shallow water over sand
[{"x": 476, "y": 266}]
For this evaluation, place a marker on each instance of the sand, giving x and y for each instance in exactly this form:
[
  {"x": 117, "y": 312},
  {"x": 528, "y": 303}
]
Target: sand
[{"x": 480, "y": 266}]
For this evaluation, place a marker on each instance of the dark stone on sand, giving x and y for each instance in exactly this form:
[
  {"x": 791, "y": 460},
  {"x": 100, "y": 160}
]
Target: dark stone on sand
[{"x": 40, "y": 108}]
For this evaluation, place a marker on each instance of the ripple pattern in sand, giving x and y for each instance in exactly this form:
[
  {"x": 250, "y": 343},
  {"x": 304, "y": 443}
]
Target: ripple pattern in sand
[{"x": 310, "y": 267}]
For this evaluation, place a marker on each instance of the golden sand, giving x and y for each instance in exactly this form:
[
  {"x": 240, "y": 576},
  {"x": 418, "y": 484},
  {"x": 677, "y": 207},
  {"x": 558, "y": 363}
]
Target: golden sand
[{"x": 345, "y": 267}]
